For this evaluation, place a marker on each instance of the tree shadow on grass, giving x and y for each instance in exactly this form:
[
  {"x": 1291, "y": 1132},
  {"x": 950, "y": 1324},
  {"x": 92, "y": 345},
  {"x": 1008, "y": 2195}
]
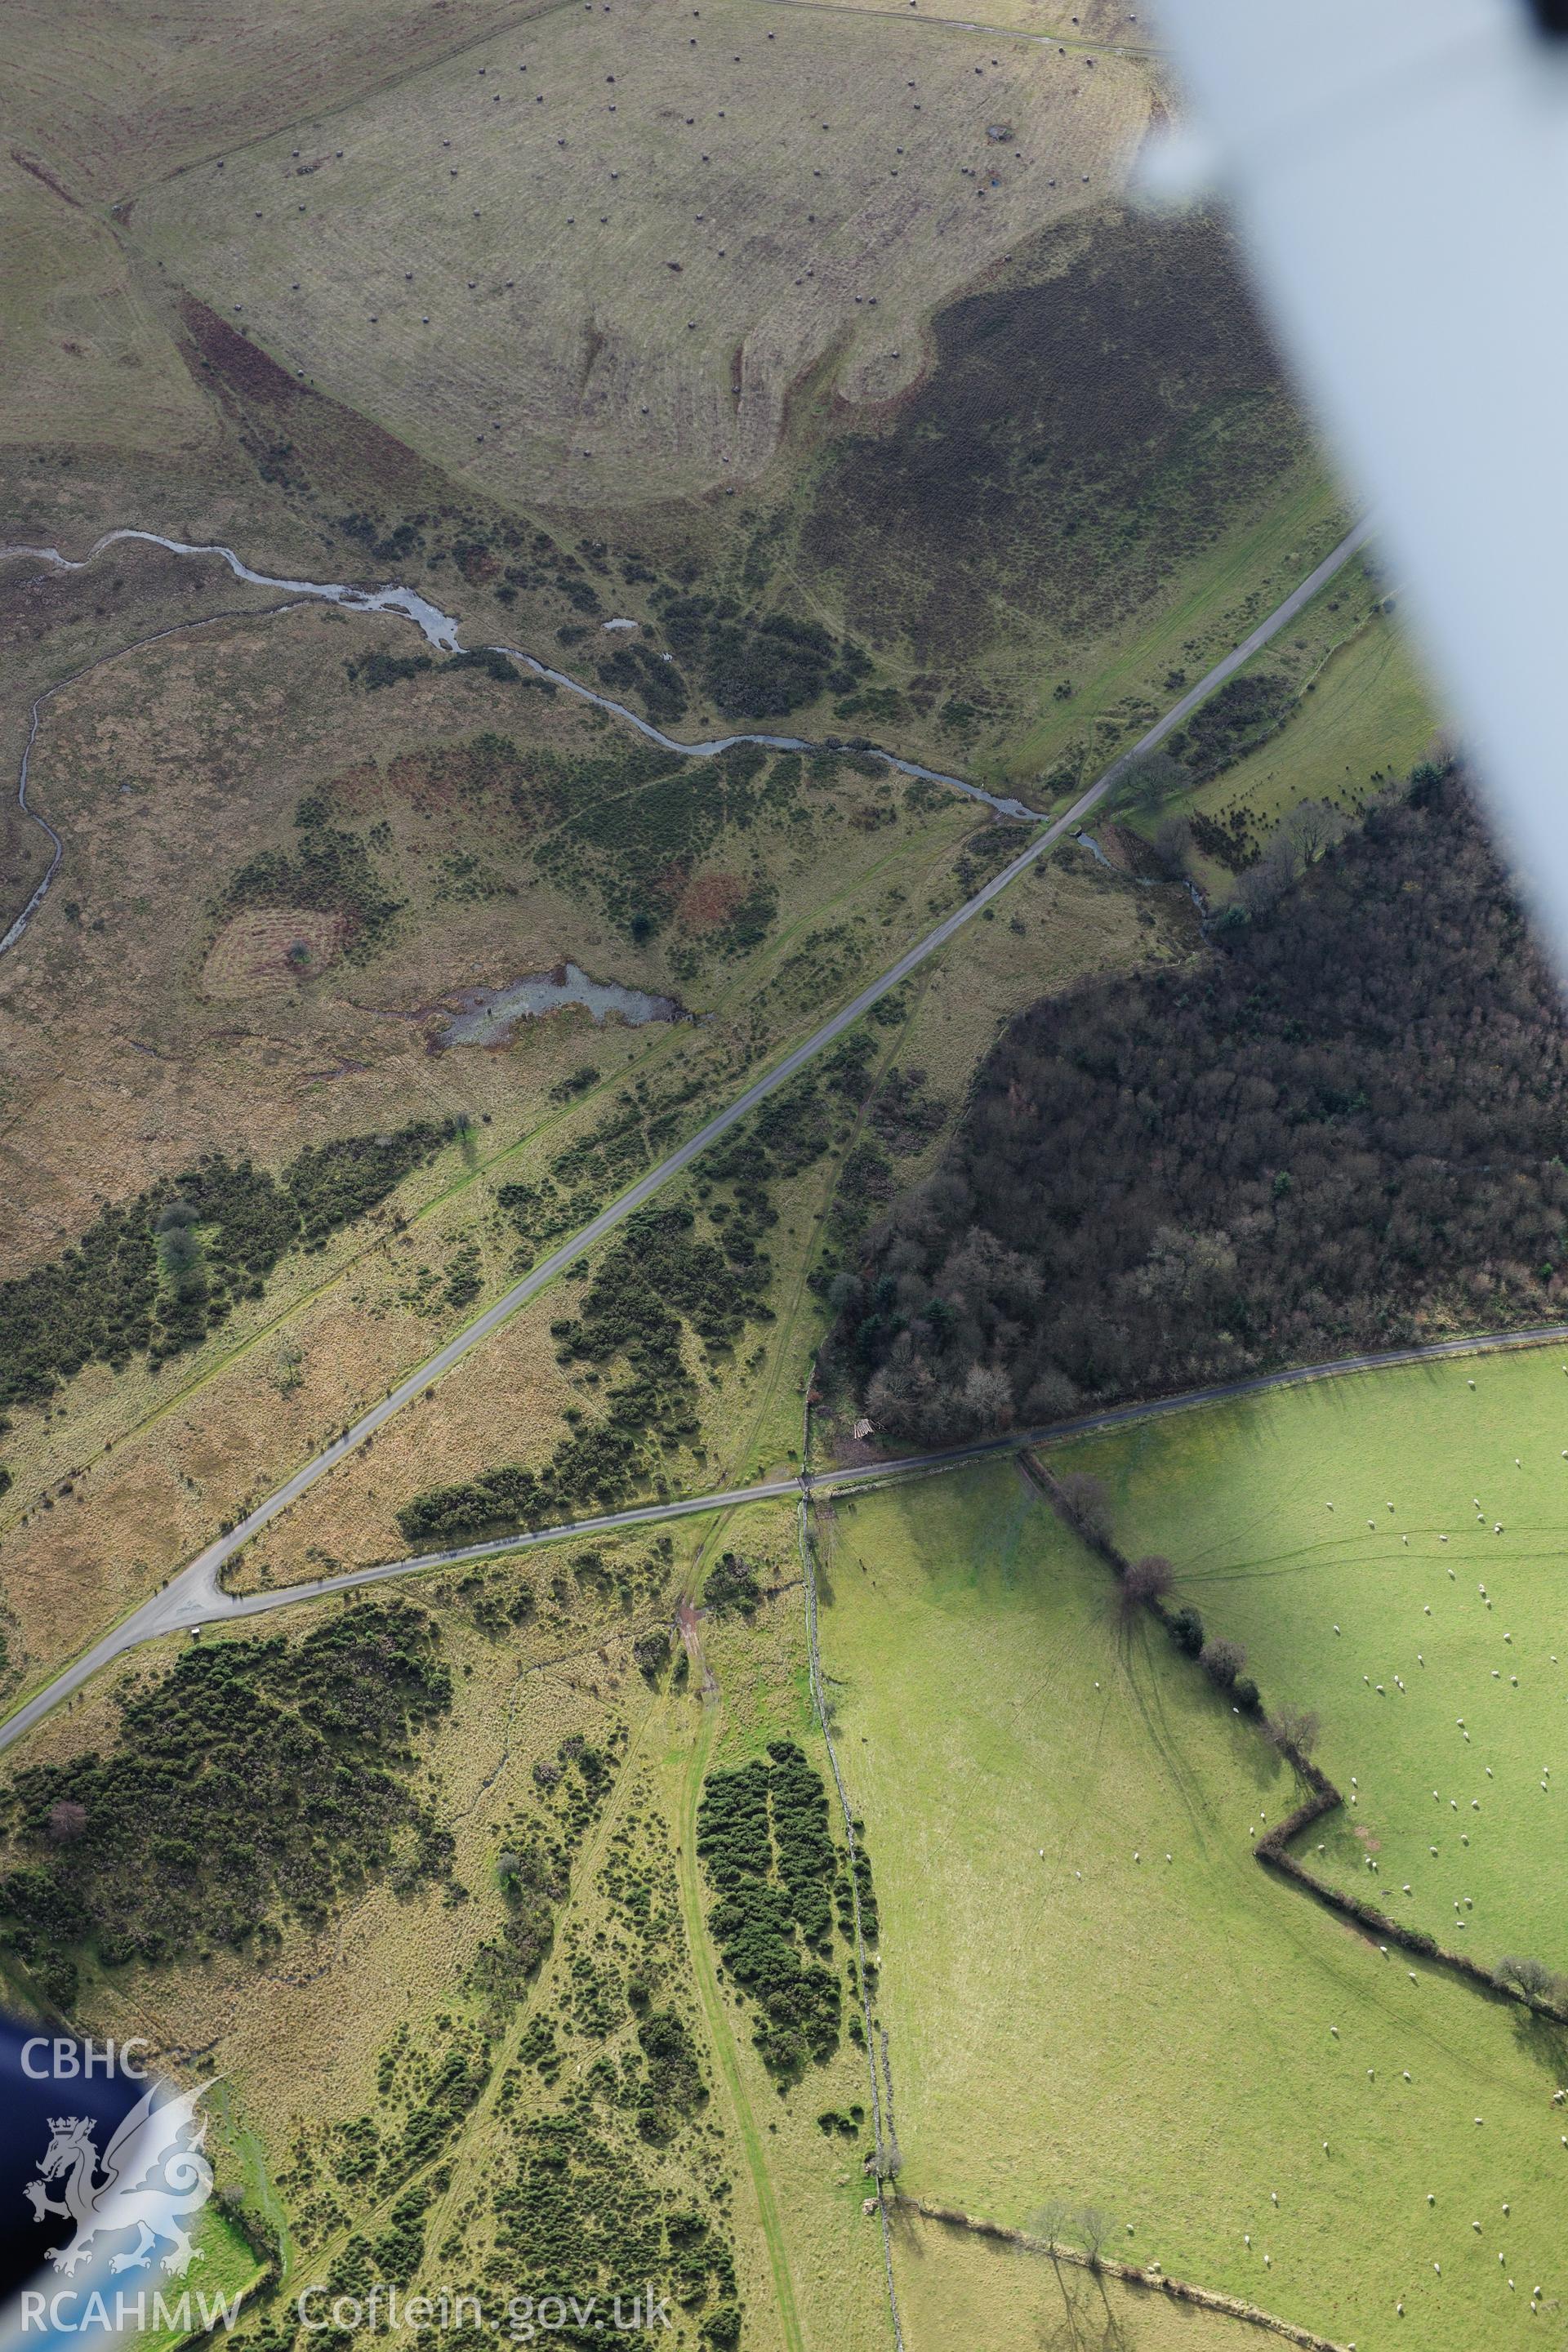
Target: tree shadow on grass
[
  {"x": 1544, "y": 2044},
  {"x": 1081, "y": 2316}
]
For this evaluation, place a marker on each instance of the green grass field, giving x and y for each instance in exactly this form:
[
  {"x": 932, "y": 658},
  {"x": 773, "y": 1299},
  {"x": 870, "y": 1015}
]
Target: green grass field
[
  {"x": 963, "y": 2294},
  {"x": 1357, "y": 709},
  {"x": 1443, "y": 1705},
  {"x": 1370, "y": 709},
  {"x": 1073, "y": 2015},
  {"x": 227, "y": 2267}
]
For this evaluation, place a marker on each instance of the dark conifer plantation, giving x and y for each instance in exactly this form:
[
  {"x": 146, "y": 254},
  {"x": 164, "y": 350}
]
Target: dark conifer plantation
[{"x": 1343, "y": 1128}]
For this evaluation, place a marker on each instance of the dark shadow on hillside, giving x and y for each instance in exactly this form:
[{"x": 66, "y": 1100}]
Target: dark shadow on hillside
[{"x": 1076, "y": 437}]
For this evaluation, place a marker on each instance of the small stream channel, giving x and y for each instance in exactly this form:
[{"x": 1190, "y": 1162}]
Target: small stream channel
[{"x": 439, "y": 629}]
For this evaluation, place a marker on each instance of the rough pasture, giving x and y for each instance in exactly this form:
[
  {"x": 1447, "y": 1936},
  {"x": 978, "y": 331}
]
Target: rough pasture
[{"x": 594, "y": 256}]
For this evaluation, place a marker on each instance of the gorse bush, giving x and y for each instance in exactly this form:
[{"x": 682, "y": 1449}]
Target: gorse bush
[
  {"x": 763, "y": 1840},
  {"x": 153, "y": 1276},
  {"x": 330, "y": 869},
  {"x": 252, "y": 1778}
]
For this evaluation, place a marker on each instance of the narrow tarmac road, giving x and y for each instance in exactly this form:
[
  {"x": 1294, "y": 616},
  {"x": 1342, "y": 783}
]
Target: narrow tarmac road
[
  {"x": 187, "y": 1601},
  {"x": 193, "y": 1595}
]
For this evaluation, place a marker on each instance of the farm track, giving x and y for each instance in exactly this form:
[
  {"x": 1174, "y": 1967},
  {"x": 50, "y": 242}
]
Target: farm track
[
  {"x": 720, "y": 2030},
  {"x": 193, "y": 1595},
  {"x": 1046, "y": 40}
]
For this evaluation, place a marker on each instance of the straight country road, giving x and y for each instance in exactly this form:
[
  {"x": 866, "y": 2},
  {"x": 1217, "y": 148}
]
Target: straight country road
[
  {"x": 194, "y": 1596},
  {"x": 183, "y": 1604}
]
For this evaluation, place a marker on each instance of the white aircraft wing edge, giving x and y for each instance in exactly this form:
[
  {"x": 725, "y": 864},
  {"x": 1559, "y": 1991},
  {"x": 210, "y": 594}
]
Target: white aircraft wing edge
[{"x": 1399, "y": 173}]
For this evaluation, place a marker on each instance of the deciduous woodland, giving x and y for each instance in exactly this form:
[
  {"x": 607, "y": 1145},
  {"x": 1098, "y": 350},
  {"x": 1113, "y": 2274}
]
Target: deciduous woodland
[{"x": 1343, "y": 1128}]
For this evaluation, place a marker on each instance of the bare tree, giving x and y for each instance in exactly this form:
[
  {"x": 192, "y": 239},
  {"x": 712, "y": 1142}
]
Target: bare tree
[
  {"x": 1533, "y": 1978},
  {"x": 1311, "y": 827},
  {"x": 1092, "y": 2225},
  {"x": 67, "y": 1821},
  {"x": 1264, "y": 885},
  {"x": 1173, "y": 843},
  {"x": 1086, "y": 1502},
  {"x": 1147, "y": 1580},
  {"x": 1295, "y": 1729},
  {"x": 1151, "y": 1578},
  {"x": 1150, "y": 778},
  {"x": 1048, "y": 2221},
  {"x": 987, "y": 1398}
]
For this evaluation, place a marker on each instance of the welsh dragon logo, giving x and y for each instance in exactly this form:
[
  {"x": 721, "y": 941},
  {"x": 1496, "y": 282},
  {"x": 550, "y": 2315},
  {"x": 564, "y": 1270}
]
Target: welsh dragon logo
[{"x": 152, "y": 2176}]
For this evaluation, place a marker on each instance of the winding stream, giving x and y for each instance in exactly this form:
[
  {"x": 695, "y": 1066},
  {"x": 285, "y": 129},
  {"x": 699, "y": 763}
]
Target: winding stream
[{"x": 439, "y": 629}]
